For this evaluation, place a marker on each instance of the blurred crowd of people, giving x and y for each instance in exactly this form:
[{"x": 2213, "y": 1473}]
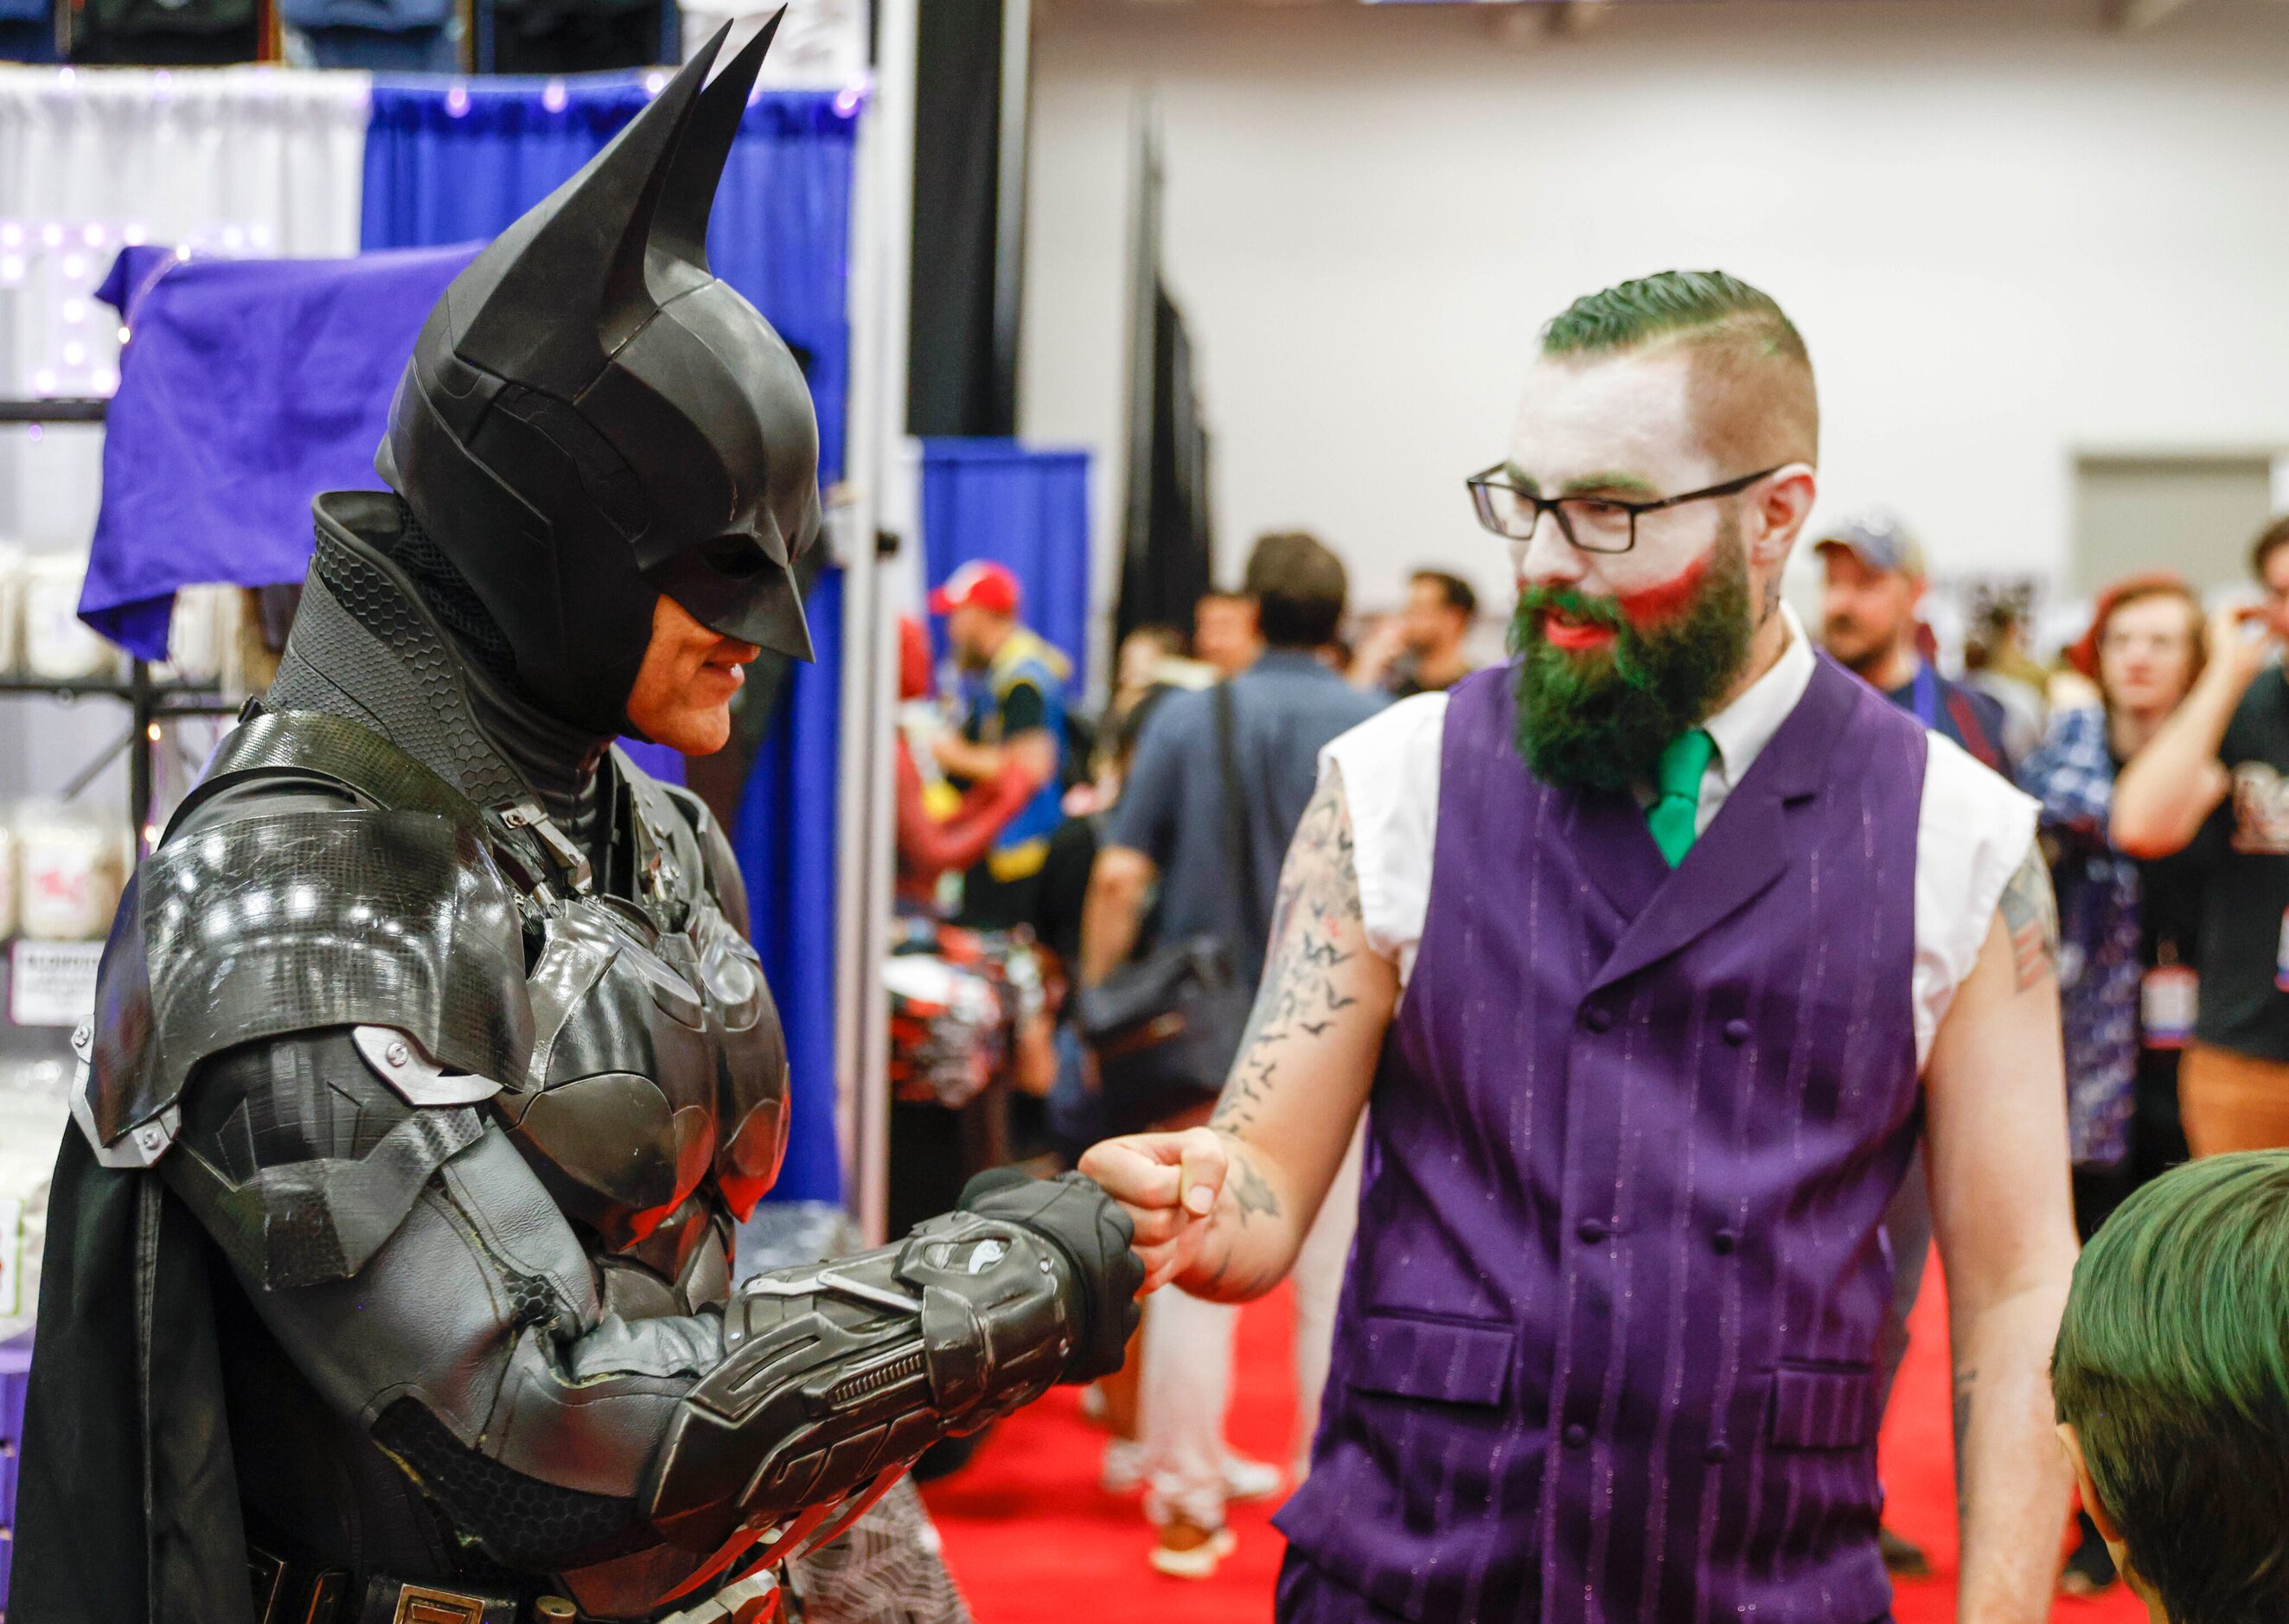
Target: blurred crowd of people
[{"x": 1064, "y": 872}]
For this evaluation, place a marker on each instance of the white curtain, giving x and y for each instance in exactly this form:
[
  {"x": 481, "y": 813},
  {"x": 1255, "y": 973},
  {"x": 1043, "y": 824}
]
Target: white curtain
[
  {"x": 821, "y": 44},
  {"x": 238, "y": 161}
]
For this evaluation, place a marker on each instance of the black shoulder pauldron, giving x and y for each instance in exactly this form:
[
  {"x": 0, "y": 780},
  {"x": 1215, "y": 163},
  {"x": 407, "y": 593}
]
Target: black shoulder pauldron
[{"x": 387, "y": 912}]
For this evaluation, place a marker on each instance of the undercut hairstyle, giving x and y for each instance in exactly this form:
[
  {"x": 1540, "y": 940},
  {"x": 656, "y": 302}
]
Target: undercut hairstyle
[
  {"x": 1457, "y": 590},
  {"x": 2173, "y": 1364},
  {"x": 1754, "y": 400},
  {"x": 2270, "y": 540},
  {"x": 1299, "y": 587}
]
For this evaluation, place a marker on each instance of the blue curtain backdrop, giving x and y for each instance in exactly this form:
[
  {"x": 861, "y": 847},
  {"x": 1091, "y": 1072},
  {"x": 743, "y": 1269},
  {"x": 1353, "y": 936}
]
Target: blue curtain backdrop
[
  {"x": 452, "y": 161},
  {"x": 1028, "y": 509},
  {"x": 455, "y": 161}
]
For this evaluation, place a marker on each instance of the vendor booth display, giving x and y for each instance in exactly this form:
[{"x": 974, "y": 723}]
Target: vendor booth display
[
  {"x": 15, "y": 1370},
  {"x": 308, "y": 352}
]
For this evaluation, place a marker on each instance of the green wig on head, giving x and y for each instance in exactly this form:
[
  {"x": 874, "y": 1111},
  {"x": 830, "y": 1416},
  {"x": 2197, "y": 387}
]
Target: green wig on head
[
  {"x": 2173, "y": 1365},
  {"x": 1753, "y": 375}
]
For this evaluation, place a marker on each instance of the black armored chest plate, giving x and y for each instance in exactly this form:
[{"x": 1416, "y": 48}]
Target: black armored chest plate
[
  {"x": 620, "y": 1019},
  {"x": 659, "y": 1073}
]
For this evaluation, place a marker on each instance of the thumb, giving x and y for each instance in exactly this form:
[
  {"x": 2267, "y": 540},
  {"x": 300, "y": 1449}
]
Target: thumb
[{"x": 1201, "y": 1166}]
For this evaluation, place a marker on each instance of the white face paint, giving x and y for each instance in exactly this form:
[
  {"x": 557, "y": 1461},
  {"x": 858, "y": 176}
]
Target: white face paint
[{"x": 1620, "y": 427}]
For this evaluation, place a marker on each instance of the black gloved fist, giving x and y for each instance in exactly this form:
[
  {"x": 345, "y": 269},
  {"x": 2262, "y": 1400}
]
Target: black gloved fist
[{"x": 1075, "y": 1214}]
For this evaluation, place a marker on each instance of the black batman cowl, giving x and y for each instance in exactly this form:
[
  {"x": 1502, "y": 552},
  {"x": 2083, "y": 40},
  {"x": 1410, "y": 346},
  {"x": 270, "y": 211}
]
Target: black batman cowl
[{"x": 592, "y": 419}]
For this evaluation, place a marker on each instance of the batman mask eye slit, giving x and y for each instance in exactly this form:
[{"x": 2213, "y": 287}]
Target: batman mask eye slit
[{"x": 736, "y": 556}]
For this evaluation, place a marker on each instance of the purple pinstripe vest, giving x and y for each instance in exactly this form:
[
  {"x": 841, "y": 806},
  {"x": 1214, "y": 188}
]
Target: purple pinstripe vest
[{"x": 1605, "y": 1350}]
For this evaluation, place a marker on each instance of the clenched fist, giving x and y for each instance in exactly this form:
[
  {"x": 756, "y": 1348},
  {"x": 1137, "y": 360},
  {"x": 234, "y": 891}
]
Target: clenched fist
[{"x": 1169, "y": 1184}]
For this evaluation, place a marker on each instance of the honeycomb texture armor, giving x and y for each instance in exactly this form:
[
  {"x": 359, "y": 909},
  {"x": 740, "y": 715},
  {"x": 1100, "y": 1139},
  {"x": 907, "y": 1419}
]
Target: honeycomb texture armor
[
  {"x": 359, "y": 613},
  {"x": 304, "y": 919}
]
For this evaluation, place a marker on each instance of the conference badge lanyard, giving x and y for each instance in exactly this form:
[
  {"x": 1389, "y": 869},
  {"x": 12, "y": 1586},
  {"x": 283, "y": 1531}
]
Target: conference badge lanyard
[
  {"x": 2169, "y": 995},
  {"x": 1924, "y": 696}
]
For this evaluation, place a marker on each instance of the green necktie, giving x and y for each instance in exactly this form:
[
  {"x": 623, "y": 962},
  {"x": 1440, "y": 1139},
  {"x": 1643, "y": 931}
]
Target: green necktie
[{"x": 1677, "y": 793}]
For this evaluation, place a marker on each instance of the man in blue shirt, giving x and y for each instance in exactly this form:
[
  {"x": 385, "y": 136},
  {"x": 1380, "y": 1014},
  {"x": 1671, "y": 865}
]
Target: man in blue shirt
[
  {"x": 1172, "y": 829},
  {"x": 1171, "y": 826}
]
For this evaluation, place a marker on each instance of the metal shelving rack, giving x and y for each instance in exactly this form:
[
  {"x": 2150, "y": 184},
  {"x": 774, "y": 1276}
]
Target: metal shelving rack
[
  {"x": 149, "y": 703},
  {"x": 62, "y": 409}
]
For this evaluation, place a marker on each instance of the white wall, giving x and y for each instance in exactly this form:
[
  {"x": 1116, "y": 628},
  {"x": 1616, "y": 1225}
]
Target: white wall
[{"x": 2007, "y": 234}]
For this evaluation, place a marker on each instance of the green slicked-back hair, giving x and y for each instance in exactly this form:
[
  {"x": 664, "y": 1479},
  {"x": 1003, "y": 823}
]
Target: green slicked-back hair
[
  {"x": 2173, "y": 1364},
  {"x": 1758, "y": 402},
  {"x": 1701, "y": 304}
]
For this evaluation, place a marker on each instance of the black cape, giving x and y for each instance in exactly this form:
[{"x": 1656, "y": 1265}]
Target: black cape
[{"x": 127, "y": 1507}]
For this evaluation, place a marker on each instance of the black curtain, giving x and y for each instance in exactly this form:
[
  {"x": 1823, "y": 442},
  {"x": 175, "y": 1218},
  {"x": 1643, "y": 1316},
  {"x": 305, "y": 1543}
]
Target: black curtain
[
  {"x": 953, "y": 384},
  {"x": 1168, "y": 559}
]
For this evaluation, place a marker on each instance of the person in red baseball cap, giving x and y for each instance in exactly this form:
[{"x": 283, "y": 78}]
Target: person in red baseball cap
[
  {"x": 978, "y": 585},
  {"x": 1013, "y": 689},
  {"x": 930, "y": 841}
]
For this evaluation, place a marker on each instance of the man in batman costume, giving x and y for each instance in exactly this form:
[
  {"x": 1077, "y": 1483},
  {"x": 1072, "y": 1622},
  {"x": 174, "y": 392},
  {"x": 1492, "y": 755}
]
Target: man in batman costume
[{"x": 388, "y": 1272}]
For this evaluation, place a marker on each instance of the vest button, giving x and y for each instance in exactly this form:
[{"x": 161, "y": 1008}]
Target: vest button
[
  {"x": 1576, "y": 1436},
  {"x": 1718, "y": 1453},
  {"x": 1597, "y": 1018},
  {"x": 1592, "y": 1230},
  {"x": 1736, "y": 1031},
  {"x": 1724, "y": 1242}
]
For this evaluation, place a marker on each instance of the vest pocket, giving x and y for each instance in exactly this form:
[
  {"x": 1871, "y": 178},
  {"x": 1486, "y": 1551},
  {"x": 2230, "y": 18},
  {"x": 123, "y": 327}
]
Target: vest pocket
[
  {"x": 1824, "y": 1406},
  {"x": 1447, "y": 1361}
]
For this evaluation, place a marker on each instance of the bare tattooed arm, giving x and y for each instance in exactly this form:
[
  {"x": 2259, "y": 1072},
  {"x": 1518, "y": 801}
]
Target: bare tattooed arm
[
  {"x": 2029, "y": 912},
  {"x": 1316, "y": 934},
  {"x": 1996, "y": 1094},
  {"x": 1221, "y": 1210}
]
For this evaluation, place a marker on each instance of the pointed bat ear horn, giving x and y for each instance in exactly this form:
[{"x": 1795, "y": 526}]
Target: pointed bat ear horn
[
  {"x": 582, "y": 250},
  {"x": 688, "y": 197}
]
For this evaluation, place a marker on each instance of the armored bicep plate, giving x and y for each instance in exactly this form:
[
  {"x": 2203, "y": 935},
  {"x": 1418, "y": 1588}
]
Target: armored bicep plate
[{"x": 302, "y": 1160}]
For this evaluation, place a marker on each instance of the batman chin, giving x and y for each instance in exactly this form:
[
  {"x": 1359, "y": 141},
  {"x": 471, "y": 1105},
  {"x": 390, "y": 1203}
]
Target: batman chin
[{"x": 592, "y": 418}]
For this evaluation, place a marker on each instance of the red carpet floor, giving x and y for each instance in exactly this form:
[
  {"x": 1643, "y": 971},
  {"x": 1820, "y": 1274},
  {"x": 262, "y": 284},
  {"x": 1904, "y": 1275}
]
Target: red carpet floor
[{"x": 1032, "y": 1539}]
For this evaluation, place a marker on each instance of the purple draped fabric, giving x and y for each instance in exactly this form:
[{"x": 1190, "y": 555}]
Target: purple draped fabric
[
  {"x": 301, "y": 356},
  {"x": 306, "y": 354}
]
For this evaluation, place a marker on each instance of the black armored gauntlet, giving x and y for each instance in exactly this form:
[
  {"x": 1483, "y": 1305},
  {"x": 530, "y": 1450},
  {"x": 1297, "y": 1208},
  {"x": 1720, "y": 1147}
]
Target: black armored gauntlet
[{"x": 836, "y": 1374}]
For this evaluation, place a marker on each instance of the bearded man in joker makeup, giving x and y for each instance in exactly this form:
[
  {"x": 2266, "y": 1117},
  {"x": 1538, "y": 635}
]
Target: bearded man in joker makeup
[
  {"x": 1654, "y": 951},
  {"x": 1651, "y": 502}
]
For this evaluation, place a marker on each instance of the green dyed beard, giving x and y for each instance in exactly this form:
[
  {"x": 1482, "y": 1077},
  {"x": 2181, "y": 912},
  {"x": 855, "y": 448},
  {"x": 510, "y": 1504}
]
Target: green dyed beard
[{"x": 1601, "y": 719}]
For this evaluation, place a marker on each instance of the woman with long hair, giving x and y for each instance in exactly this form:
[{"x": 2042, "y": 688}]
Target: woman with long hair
[{"x": 2125, "y": 984}]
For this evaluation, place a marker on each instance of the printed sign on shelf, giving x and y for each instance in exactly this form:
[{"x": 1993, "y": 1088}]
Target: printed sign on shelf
[{"x": 52, "y": 983}]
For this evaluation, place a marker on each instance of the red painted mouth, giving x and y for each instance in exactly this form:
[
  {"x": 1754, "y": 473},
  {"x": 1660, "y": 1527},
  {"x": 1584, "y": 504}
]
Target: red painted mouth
[{"x": 1562, "y": 631}]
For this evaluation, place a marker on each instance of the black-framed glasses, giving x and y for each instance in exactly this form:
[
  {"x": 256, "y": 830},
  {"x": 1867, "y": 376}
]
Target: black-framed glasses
[{"x": 1595, "y": 524}]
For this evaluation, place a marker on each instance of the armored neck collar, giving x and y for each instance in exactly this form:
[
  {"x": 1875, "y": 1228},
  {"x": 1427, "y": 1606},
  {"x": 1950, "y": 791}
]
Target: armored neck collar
[
  {"x": 371, "y": 644},
  {"x": 560, "y": 761}
]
